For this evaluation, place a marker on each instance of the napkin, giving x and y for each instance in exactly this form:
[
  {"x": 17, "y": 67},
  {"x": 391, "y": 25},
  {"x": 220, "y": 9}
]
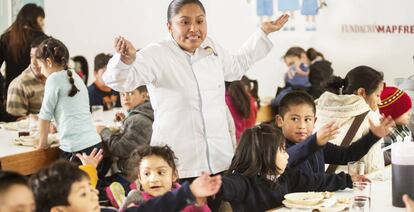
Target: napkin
[
  {"x": 33, "y": 140},
  {"x": 22, "y": 124}
]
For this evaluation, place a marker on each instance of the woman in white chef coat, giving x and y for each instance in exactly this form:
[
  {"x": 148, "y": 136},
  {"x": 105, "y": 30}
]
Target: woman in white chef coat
[{"x": 185, "y": 79}]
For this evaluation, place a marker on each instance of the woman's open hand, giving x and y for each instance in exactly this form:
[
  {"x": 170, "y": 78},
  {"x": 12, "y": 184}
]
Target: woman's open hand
[{"x": 126, "y": 49}]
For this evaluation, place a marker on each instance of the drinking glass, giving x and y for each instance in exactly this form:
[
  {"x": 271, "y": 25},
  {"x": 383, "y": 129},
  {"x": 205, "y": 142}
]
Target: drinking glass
[
  {"x": 356, "y": 168},
  {"x": 97, "y": 112},
  {"x": 361, "y": 196}
]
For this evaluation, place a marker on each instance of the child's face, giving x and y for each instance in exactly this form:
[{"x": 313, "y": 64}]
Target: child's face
[
  {"x": 281, "y": 159},
  {"x": 99, "y": 73},
  {"x": 156, "y": 176},
  {"x": 129, "y": 100},
  {"x": 45, "y": 66},
  {"x": 33, "y": 62},
  {"x": 82, "y": 198},
  {"x": 18, "y": 198},
  {"x": 292, "y": 60},
  {"x": 298, "y": 123},
  {"x": 404, "y": 119}
]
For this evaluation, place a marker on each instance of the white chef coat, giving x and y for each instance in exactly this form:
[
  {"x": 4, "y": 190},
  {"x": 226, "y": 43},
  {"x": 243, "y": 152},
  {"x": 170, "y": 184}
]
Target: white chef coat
[{"x": 187, "y": 94}]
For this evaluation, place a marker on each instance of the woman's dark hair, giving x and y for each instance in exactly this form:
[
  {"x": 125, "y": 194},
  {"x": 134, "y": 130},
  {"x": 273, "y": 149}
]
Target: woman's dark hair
[
  {"x": 359, "y": 77},
  {"x": 164, "y": 152},
  {"x": 312, "y": 54},
  {"x": 239, "y": 98},
  {"x": 51, "y": 186},
  {"x": 256, "y": 152},
  {"x": 295, "y": 51},
  {"x": 176, "y": 5},
  {"x": 57, "y": 52},
  {"x": 84, "y": 66},
  {"x": 9, "y": 179},
  {"x": 253, "y": 86},
  {"x": 22, "y": 31}
]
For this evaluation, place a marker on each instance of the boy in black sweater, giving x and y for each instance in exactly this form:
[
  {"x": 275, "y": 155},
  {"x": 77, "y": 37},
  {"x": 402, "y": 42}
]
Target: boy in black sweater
[{"x": 308, "y": 151}]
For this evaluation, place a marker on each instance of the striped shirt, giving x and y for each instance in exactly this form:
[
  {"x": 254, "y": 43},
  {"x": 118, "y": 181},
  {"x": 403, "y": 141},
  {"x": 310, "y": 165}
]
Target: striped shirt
[{"x": 25, "y": 94}]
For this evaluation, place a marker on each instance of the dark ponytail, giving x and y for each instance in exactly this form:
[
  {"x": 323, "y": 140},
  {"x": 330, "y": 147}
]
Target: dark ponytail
[
  {"x": 57, "y": 52},
  {"x": 253, "y": 86},
  {"x": 312, "y": 54},
  {"x": 73, "y": 89},
  {"x": 360, "y": 77},
  {"x": 334, "y": 84}
]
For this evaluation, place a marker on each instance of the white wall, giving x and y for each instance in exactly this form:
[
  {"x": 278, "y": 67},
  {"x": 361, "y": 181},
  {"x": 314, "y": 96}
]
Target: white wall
[{"x": 88, "y": 27}]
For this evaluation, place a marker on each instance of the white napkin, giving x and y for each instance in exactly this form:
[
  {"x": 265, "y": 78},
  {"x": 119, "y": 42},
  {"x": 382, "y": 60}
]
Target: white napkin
[
  {"x": 22, "y": 124},
  {"x": 33, "y": 140}
]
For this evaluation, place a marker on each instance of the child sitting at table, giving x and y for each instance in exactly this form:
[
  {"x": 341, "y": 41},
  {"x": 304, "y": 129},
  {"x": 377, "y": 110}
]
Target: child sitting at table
[
  {"x": 65, "y": 187},
  {"x": 397, "y": 104},
  {"x": 15, "y": 193},
  {"x": 310, "y": 151},
  {"x": 256, "y": 179},
  {"x": 66, "y": 101},
  {"x": 135, "y": 132},
  {"x": 157, "y": 174}
]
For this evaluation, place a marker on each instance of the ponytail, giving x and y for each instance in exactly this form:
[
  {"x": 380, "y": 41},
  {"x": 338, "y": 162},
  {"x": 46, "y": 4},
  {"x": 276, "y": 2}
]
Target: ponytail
[
  {"x": 312, "y": 54},
  {"x": 360, "y": 77},
  {"x": 73, "y": 90},
  {"x": 335, "y": 84}
]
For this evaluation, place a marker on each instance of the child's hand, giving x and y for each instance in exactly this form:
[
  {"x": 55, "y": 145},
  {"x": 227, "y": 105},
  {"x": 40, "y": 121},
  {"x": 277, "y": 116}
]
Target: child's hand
[
  {"x": 359, "y": 178},
  {"x": 326, "y": 133},
  {"x": 52, "y": 128},
  {"x": 119, "y": 116},
  {"x": 409, "y": 203},
  {"x": 41, "y": 145},
  {"x": 384, "y": 128},
  {"x": 92, "y": 159},
  {"x": 205, "y": 185},
  {"x": 99, "y": 128}
]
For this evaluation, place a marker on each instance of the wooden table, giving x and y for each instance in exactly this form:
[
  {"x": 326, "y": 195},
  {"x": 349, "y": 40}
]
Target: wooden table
[
  {"x": 23, "y": 159},
  {"x": 27, "y": 160}
]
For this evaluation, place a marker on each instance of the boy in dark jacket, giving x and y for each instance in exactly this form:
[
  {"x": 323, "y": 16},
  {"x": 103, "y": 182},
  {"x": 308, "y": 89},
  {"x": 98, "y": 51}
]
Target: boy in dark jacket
[
  {"x": 136, "y": 128},
  {"x": 307, "y": 151}
]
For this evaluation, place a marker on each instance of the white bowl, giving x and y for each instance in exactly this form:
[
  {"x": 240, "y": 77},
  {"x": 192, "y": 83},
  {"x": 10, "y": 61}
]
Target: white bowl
[{"x": 305, "y": 198}]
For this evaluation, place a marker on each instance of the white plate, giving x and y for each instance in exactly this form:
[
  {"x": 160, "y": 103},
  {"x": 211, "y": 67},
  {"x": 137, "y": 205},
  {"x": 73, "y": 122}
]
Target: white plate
[
  {"x": 290, "y": 204},
  {"x": 335, "y": 208},
  {"x": 305, "y": 198}
]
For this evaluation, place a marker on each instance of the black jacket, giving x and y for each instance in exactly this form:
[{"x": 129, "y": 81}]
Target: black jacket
[
  {"x": 171, "y": 201},
  {"x": 310, "y": 158},
  {"x": 260, "y": 194}
]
